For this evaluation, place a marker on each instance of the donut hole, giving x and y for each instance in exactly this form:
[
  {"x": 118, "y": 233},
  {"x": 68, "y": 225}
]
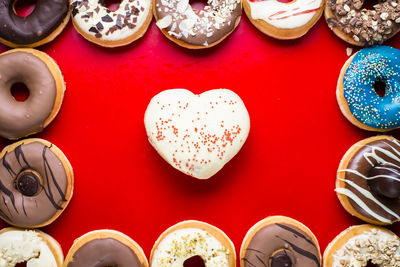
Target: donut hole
[
  {"x": 112, "y": 5},
  {"x": 379, "y": 87},
  {"x": 195, "y": 261},
  {"x": 370, "y": 264},
  {"x": 198, "y": 5},
  {"x": 20, "y": 92},
  {"x": 22, "y": 264},
  {"x": 369, "y": 4},
  {"x": 24, "y": 8}
]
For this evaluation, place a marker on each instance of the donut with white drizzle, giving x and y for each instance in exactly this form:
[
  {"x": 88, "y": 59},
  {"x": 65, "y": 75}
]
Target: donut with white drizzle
[
  {"x": 197, "y": 28},
  {"x": 284, "y": 20},
  {"x": 368, "y": 180},
  {"x": 107, "y": 28}
]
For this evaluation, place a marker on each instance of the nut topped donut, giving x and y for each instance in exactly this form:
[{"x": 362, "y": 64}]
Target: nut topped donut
[
  {"x": 189, "y": 239},
  {"x": 284, "y": 20},
  {"x": 105, "y": 248},
  {"x": 107, "y": 28},
  {"x": 42, "y": 76},
  {"x": 32, "y": 247},
  {"x": 36, "y": 183},
  {"x": 279, "y": 241},
  {"x": 45, "y": 22},
  {"x": 360, "y": 26},
  {"x": 360, "y": 245},
  {"x": 368, "y": 180},
  {"x": 356, "y": 91},
  {"x": 196, "y": 29}
]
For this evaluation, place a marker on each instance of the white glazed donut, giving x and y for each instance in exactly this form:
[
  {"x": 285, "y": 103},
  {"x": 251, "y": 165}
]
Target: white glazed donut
[
  {"x": 284, "y": 20},
  {"x": 188, "y": 239},
  {"x": 34, "y": 247},
  {"x": 197, "y": 134},
  {"x": 359, "y": 245},
  {"x": 108, "y": 28}
]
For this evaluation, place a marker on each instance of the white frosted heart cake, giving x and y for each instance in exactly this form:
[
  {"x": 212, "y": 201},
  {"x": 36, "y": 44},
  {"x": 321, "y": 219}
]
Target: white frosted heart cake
[{"x": 197, "y": 134}]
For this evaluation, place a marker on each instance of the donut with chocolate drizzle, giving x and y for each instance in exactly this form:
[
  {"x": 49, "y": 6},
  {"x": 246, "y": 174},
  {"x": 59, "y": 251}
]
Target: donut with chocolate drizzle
[
  {"x": 45, "y": 23},
  {"x": 279, "y": 241},
  {"x": 36, "y": 183},
  {"x": 368, "y": 180}
]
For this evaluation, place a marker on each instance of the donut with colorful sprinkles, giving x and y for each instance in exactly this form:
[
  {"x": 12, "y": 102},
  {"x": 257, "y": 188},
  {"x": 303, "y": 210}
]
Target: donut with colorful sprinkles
[{"x": 361, "y": 79}]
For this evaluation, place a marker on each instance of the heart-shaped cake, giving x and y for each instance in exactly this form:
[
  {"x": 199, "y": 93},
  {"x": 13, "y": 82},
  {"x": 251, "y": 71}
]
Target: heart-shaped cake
[{"x": 197, "y": 134}]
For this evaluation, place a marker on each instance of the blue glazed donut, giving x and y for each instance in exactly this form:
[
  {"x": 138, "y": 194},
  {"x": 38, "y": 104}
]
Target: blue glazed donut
[{"x": 357, "y": 97}]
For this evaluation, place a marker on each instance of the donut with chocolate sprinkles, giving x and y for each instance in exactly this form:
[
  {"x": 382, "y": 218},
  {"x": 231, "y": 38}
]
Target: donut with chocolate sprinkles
[
  {"x": 36, "y": 183},
  {"x": 44, "y": 24},
  {"x": 357, "y": 25},
  {"x": 99, "y": 25}
]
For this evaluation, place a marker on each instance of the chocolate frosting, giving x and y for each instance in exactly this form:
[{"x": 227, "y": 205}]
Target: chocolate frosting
[
  {"x": 47, "y": 16},
  {"x": 375, "y": 157},
  {"x": 281, "y": 245},
  {"x": 18, "y": 119},
  {"x": 105, "y": 252},
  {"x": 34, "y": 210}
]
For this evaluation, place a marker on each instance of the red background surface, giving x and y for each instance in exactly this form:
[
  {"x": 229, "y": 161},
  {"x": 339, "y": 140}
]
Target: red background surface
[{"x": 287, "y": 166}]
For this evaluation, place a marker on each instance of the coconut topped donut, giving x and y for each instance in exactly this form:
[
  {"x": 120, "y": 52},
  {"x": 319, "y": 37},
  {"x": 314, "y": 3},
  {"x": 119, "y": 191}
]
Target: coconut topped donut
[
  {"x": 31, "y": 246},
  {"x": 197, "y": 28},
  {"x": 360, "y": 26}
]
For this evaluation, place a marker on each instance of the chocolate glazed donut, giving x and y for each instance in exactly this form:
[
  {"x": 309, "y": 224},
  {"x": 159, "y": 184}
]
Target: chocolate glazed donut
[
  {"x": 36, "y": 183},
  {"x": 45, "y": 22},
  {"x": 368, "y": 180},
  {"x": 105, "y": 248},
  {"x": 280, "y": 242},
  {"x": 45, "y": 82}
]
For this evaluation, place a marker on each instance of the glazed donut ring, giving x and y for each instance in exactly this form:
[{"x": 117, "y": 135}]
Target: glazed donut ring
[
  {"x": 45, "y": 23},
  {"x": 108, "y": 28},
  {"x": 34, "y": 247},
  {"x": 45, "y": 82},
  {"x": 356, "y": 96},
  {"x": 105, "y": 248},
  {"x": 196, "y": 29},
  {"x": 193, "y": 238},
  {"x": 36, "y": 183},
  {"x": 284, "y": 20},
  {"x": 360, "y": 26},
  {"x": 280, "y": 241},
  {"x": 358, "y": 245},
  {"x": 368, "y": 180}
]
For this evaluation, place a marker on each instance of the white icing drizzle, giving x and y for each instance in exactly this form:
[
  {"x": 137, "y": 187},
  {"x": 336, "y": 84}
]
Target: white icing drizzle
[
  {"x": 96, "y": 20},
  {"x": 368, "y": 195},
  {"x": 285, "y": 15},
  {"x": 350, "y": 194}
]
